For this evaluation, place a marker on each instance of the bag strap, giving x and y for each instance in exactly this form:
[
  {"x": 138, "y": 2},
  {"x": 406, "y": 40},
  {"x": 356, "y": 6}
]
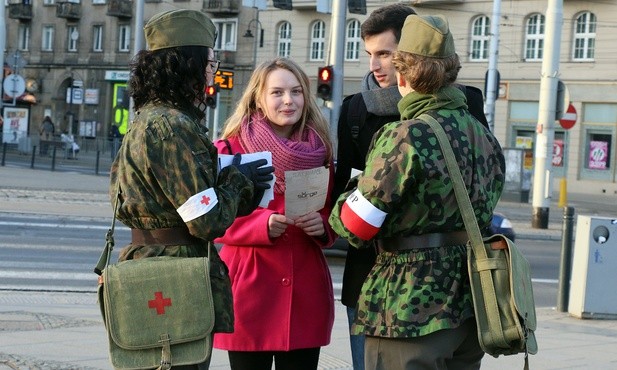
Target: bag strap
[
  {"x": 471, "y": 224},
  {"x": 460, "y": 190},
  {"x": 109, "y": 238}
]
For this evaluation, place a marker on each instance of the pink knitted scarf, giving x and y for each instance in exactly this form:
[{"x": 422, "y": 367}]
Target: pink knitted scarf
[{"x": 302, "y": 151}]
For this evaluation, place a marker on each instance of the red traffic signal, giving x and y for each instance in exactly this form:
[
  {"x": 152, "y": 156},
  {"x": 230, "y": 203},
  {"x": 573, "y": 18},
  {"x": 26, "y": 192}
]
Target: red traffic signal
[
  {"x": 325, "y": 75},
  {"x": 211, "y": 96}
]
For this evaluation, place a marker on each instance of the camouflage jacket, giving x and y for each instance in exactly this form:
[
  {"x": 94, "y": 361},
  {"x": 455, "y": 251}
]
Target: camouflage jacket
[
  {"x": 416, "y": 292},
  {"x": 166, "y": 158}
]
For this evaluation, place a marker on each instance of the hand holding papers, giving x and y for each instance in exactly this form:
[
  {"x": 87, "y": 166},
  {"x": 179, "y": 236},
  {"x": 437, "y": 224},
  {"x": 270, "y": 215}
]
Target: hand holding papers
[
  {"x": 306, "y": 191},
  {"x": 226, "y": 160}
]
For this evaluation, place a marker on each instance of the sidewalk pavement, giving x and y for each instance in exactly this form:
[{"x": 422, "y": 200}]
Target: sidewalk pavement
[{"x": 52, "y": 330}]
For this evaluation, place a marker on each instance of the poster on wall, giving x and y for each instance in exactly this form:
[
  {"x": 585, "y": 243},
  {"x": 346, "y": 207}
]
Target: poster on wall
[
  {"x": 558, "y": 153},
  {"x": 526, "y": 143},
  {"x": 87, "y": 129},
  {"x": 598, "y": 155},
  {"x": 15, "y": 125}
]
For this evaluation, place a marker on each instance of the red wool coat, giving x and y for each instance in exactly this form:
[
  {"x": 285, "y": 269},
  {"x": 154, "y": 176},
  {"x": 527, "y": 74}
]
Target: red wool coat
[{"x": 282, "y": 290}]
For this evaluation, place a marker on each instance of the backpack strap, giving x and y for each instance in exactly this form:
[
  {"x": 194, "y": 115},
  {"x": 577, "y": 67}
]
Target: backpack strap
[{"x": 356, "y": 116}]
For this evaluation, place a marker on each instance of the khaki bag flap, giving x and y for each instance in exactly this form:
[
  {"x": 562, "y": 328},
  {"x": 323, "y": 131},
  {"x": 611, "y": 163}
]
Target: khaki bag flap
[{"x": 159, "y": 297}]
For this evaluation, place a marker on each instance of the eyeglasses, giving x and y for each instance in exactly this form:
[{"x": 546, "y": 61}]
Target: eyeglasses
[{"x": 214, "y": 65}]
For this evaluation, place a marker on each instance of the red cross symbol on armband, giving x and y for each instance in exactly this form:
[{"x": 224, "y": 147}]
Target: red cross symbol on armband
[
  {"x": 205, "y": 200},
  {"x": 159, "y": 303}
]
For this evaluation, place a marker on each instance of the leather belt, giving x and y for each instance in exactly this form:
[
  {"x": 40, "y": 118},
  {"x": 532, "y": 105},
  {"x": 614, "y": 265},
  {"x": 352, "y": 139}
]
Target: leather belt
[
  {"x": 432, "y": 240},
  {"x": 165, "y": 236}
]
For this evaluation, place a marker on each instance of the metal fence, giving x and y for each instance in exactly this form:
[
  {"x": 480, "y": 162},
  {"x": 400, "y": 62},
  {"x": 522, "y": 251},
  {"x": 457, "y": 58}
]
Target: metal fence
[{"x": 94, "y": 155}]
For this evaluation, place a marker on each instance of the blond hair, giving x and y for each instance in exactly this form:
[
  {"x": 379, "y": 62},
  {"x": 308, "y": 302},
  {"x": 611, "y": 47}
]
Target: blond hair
[{"x": 255, "y": 92}]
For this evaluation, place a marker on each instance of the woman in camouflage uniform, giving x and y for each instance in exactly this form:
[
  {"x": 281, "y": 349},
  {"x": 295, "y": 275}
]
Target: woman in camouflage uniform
[
  {"x": 167, "y": 165},
  {"x": 415, "y": 306}
]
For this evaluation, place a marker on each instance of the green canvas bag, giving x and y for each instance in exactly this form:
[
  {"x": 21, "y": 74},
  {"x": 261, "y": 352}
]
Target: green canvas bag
[
  {"x": 499, "y": 275},
  {"x": 158, "y": 311}
]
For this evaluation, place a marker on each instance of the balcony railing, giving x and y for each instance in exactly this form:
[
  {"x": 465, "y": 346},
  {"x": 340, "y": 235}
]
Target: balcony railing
[
  {"x": 120, "y": 8},
  {"x": 68, "y": 10},
  {"x": 22, "y": 12},
  {"x": 222, "y": 6}
]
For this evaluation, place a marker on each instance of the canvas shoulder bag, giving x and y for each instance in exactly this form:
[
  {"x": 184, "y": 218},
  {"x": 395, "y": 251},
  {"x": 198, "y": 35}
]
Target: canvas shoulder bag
[
  {"x": 499, "y": 275},
  {"x": 158, "y": 311}
]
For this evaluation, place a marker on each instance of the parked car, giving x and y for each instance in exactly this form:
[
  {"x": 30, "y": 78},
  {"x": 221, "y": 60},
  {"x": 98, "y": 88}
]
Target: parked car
[{"x": 500, "y": 224}]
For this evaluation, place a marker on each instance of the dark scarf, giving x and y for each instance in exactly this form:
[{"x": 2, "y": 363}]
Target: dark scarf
[
  {"x": 380, "y": 101},
  {"x": 302, "y": 151}
]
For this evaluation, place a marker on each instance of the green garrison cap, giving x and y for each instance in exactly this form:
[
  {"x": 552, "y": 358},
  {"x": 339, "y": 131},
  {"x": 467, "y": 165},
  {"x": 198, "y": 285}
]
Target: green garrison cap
[
  {"x": 427, "y": 35},
  {"x": 180, "y": 27}
]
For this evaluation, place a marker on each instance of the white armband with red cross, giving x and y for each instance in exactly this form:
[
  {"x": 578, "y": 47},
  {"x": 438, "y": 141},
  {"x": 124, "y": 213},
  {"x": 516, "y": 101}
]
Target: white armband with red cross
[
  {"x": 361, "y": 217},
  {"x": 198, "y": 205}
]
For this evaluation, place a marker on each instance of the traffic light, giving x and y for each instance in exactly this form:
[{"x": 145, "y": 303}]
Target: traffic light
[
  {"x": 211, "y": 96},
  {"x": 325, "y": 76}
]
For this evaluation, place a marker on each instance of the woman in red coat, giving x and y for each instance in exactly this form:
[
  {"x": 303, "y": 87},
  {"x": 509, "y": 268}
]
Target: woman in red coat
[{"x": 282, "y": 290}]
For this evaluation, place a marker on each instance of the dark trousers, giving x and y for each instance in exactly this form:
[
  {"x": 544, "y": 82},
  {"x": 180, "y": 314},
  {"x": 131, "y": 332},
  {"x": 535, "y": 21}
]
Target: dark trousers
[
  {"x": 448, "y": 349},
  {"x": 299, "y": 359}
]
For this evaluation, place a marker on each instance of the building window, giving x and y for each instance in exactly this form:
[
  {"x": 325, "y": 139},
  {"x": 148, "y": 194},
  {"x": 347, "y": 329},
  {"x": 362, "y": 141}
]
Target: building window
[
  {"x": 24, "y": 37},
  {"x": 98, "y": 1},
  {"x": 48, "y": 2},
  {"x": 97, "y": 38},
  {"x": 124, "y": 38},
  {"x": 584, "y": 37},
  {"x": 480, "y": 37},
  {"x": 352, "y": 40},
  {"x": 534, "y": 37},
  {"x": 284, "y": 45},
  {"x": 47, "y": 39},
  {"x": 73, "y": 38},
  {"x": 227, "y": 30},
  {"x": 599, "y": 133},
  {"x": 318, "y": 40}
]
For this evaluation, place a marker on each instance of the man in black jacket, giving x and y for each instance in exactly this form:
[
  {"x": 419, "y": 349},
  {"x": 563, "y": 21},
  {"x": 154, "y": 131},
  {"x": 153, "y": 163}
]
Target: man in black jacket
[{"x": 362, "y": 114}]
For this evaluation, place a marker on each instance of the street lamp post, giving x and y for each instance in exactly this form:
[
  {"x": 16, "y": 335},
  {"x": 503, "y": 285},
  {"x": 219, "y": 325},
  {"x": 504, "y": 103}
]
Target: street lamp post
[
  {"x": 248, "y": 33},
  {"x": 70, "y": 114}
]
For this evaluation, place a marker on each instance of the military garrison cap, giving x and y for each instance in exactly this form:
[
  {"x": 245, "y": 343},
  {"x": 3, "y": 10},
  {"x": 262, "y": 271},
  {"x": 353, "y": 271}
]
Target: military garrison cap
[
  {"x": 181, "y": 27},
  {"x": 427, "y": 35}
]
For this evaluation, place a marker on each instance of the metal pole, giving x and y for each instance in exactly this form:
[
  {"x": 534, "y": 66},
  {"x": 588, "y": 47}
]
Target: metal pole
[
  {"x": 2, "y": 46},
  {"x": 33, "y": 156},
  {"x": 565, "y": 265},
  {"x": 53, "y": 158},
  {"x": 3, "y": 153},
  {"x": 70, "y": 115},
  {"x": 491, "y": 78},
  {"x": 138, "y": 44},
  {"x": 257, "y": 34},
  {"x": 545, "y": 129},
  {"x": 96, "y": 166},
  {"x": 339, "y": 8}
]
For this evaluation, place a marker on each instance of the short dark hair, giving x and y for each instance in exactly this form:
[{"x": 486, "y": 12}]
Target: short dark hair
[{"x": 387, "y": 18}]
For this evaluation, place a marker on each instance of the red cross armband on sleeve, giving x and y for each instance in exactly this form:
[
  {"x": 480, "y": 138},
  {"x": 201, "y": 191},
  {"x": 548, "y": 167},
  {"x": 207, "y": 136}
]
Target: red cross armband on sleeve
[
  {"x": 361, "y": 217},
  {"x": 198, "y": 205}
]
